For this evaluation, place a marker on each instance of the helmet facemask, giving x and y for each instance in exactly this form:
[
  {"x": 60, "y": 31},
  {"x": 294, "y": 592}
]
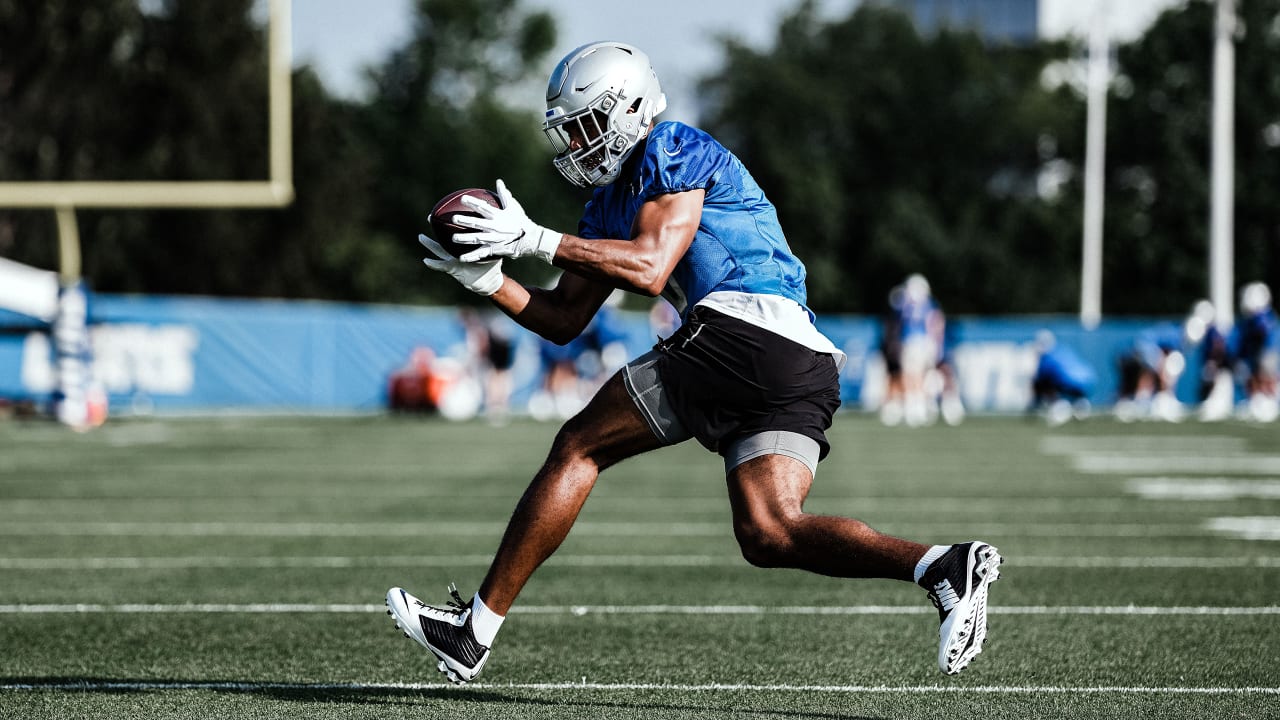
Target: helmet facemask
[
  {"x": 601, "y": 103},
  {"x": 591, "y": 144}
]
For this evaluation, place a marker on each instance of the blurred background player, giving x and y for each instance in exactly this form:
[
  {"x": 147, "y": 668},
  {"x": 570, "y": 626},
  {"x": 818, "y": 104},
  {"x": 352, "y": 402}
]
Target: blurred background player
[
  {"x": 1210, "y": 345},
  {"x": 891, "y": 351},
  {"x": 491, "y": 344},
  {"x": 919, "y": 326},
  {"x": 558, "y": 395},
  {"x": 943, "y": 384},
  {"x": 1062, "y": 381},
  {"x": 573, "y": 371},
  {"x": 1257, "y": 352},
  {"x": 1149, "y": 372}
]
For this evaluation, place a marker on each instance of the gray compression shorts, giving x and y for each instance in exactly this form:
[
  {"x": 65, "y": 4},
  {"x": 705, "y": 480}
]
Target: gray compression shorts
[{"x": 640, "y": 376}]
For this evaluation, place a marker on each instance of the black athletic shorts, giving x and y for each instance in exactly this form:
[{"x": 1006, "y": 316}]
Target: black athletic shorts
[{"x": 727, "y": 379}]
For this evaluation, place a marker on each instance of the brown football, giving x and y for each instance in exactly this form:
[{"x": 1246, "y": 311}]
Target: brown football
[{"x": 450, "y": 206}]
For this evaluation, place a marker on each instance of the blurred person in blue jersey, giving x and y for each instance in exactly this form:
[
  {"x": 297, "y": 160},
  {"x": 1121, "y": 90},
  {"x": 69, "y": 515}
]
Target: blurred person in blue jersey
[
  {"x": 943, "y": 385},
  {"x": 891, "y": 352},
  {"x": 606, "y": 343},
  {"x": 572, "y": 372},
  {"x": 1258, "y": 352},
  {"x": 918, "y": 324},
  {"x": 492, "y": 347},
  {"x": 1062, "y": 381},
  {"x": 1210, "y": 345},
  {"x": 1149, "y": 372},
  {"x": 675, "y": 213}
]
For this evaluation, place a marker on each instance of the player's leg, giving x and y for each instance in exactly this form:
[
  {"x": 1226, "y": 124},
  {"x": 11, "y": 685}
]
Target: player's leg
[
  {"x": 609, "y": 429},
  {"x": 767, "y": 494},
  {"x": 769, "y": 478}
]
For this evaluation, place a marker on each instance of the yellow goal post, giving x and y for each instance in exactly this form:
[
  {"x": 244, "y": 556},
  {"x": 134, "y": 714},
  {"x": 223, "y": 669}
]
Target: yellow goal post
[{"x": 275, "y": 191}]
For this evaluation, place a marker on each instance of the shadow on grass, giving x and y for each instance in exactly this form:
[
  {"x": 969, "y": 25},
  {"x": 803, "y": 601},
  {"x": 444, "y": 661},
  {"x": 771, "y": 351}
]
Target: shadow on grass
[{"x": 358, "y": 694}]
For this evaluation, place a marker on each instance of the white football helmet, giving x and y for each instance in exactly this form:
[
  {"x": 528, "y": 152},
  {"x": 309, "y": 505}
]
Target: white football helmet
[
  {"x": 601, "y": 101},
  {"x": 1255, "y": 298}
]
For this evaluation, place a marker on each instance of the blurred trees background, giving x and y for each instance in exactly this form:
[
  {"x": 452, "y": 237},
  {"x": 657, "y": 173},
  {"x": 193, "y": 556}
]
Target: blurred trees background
[{"x": 886, "y": 152}]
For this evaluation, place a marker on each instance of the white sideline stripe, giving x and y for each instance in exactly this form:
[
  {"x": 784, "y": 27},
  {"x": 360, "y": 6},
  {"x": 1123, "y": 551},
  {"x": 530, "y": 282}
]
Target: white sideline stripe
[
  {"x": 1263, "y": 527},
  {"x": 409, "y": 561},
  {"x": 91, "y": 508},
  {"x": 109, "y": 686},
  {"x": 599, "y": 529},
  {"x": 579, "y": 610},
  {"x": 1074, "y": 445},
  {"x": 1125, "y": 463},
  {"x": 1203, "y": 488}
]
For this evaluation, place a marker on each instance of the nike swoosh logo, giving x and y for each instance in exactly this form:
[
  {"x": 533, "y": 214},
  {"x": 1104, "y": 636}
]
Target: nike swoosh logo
[{"x": 672, "y": 153}]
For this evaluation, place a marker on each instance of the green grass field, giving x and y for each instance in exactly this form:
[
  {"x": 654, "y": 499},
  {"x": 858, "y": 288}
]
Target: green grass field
[{"x": 235, "y": 568}]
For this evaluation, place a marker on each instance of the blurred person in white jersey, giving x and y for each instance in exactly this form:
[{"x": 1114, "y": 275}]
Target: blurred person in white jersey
[{"x": 919, "y": 326}]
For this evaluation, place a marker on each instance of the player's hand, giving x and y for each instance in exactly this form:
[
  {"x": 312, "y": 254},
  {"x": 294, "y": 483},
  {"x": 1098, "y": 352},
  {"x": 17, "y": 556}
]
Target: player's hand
[
  {"x": 504, "y": 232},
  {"x": 483, "y": 278}
]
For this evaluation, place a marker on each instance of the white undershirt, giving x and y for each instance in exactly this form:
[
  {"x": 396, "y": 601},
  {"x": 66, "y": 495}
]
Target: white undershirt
[{"x": 779, "y": 315}]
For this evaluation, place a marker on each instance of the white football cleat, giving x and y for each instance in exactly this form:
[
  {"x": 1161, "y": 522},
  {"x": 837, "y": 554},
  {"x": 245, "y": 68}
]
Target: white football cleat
[
  {"x": 445, "y": 631},
  {"x": 957, "y": 584}
]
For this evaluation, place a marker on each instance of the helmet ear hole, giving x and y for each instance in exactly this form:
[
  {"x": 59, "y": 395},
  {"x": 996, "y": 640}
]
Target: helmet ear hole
[{"x": 635, "y": 106}]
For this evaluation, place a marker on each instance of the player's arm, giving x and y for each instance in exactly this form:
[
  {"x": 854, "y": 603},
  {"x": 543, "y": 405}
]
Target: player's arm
[
  {"x": 661, "y": 233},
  {"x": 558, "y": 314}
]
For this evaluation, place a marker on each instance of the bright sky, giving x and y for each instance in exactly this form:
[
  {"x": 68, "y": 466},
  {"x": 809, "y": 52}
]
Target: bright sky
[{"x": 339, "y": 37}]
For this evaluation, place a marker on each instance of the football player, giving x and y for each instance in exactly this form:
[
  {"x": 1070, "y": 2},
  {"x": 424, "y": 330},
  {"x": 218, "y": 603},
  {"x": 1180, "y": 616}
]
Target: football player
[
  {"x": 1258, "y": 352},
  {"x": 746, "y": 374}
]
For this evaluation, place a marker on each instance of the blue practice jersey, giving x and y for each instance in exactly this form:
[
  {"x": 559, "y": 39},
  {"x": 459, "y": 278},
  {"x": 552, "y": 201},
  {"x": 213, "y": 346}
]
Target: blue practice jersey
[
  {"x": 913, "y": 316},
  {"x": 1257, "y": 334},
  {"x": 739, "y": 245},
  {"x": 1066, "y": 372}
]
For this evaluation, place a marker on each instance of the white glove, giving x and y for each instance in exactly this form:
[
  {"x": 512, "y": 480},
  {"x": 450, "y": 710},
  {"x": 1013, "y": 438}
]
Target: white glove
[
  {"x": 504, "y": 232},
  {"x": 483, "y": 278}
]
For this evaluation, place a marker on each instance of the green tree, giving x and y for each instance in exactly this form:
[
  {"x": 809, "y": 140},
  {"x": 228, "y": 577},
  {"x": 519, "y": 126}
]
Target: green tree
[
  {"x": 1157, "y": 232},
  {"x": 179, "y": 93},
  {"x": 445, "y": 115},
  {"x": 112, "y": 93},
  {"x": 889, "y": 153},
  {"x": 60, "y": 65}
]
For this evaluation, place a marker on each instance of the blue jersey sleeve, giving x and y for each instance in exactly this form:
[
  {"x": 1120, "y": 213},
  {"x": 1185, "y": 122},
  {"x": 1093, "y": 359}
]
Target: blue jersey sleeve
[
  {"x": 677, "y": 159},
  {"x": 738, "y": 245}
]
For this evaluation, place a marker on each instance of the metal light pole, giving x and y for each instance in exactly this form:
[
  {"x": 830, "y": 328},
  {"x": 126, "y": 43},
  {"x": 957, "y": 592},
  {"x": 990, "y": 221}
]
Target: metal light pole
[
  {"x": 1222, "y": 153},
  {"x": 1099, "y": 76}
]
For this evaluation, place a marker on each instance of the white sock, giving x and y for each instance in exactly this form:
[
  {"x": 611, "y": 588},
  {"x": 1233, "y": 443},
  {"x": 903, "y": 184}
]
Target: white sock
[
  {"x": 930, "y": 555},
  {"x": 484, "y": 622}
]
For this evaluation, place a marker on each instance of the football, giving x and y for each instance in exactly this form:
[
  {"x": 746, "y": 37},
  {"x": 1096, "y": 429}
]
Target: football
[{"x": 450, "y": 206}]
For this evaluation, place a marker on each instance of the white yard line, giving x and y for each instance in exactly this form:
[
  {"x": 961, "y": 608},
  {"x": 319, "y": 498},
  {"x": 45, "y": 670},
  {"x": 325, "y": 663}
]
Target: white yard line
[
  {"x": 1203, "y": 488},
  {"x": 1074, "y": 445},
  {"x": 593, "y": 528},
  {"x": 579, "y": 610},
  {"x": 568, "y": 560},
  {"x": 248, "y": 687},
  {"x": 1256, "y": 527},
  {"x": 1206, "y": 464},
  {"x": 90, "y": 508}
]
